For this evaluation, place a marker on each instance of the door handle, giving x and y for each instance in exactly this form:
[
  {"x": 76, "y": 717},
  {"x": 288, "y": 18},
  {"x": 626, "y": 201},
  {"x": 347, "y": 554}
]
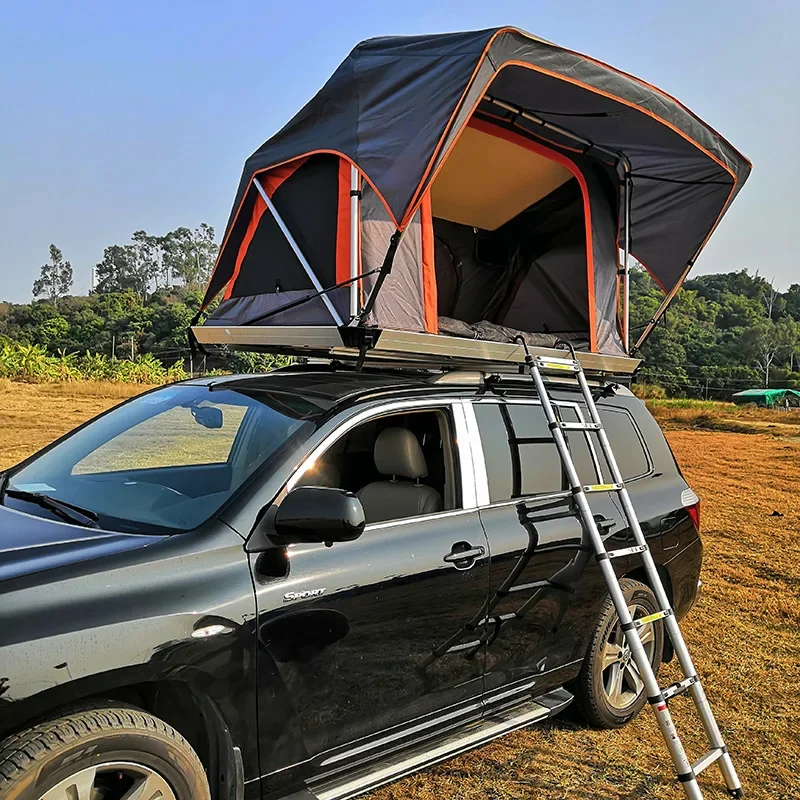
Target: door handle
[
  {"x": 604, "y": 524},
  {"x": 463, "y": 555}
]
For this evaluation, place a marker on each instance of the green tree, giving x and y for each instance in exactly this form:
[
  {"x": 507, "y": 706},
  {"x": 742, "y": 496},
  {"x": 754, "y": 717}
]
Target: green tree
[
  {"x": 768, "y": 340},
  {"x": 117, "y": 272},
  {"x": 189, "y": 255},
  {"x": 146, "y": 255},
  {"x": 792, "y": 301},
  {"x": 55, "y": 278}
]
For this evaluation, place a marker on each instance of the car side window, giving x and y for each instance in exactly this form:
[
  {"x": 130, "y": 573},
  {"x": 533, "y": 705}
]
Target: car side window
[
  {"x": 399, "y": 465},
  {"x": 626, "y": 443},
  {"x": 520, "y": 454}
]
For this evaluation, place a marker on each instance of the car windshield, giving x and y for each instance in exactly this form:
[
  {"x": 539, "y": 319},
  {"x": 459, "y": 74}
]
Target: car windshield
[{"x": 164, "y": 461}]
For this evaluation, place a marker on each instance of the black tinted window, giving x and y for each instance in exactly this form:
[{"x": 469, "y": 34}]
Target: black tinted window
[
  {"x": 626, "y": 444},
  {"x": 521, "y": 457},
  {"x": 579, "y": 447}
]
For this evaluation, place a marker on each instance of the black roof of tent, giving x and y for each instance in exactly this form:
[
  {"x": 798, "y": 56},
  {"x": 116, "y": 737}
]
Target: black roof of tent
[{"x": 396, "y": 106}]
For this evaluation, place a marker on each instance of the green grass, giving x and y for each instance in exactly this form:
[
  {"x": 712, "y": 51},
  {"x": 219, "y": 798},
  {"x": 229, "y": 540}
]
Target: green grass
[{"x": 687, "y": 402}]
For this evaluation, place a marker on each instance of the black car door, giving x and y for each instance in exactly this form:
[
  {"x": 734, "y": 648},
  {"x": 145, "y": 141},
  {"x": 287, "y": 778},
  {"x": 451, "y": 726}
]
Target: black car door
[
  {"x": 358, "y": 640},
  {"x": 544, "y": 582}
]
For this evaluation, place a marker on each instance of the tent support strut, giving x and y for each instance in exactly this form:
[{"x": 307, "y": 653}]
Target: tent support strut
[
  {"x": 625, "y": 273},
  {"x": 298, "y": 252},
  {"x": 661, "y": 311},
  {"x": 386, "y": 268},
  {"x": 355, "y": 215},
  {"x": 521, "y": 112}
]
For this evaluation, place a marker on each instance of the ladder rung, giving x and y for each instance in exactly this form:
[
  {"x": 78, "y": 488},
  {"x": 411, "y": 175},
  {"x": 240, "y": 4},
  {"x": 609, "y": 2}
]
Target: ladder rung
[
  {"x": 676, "y": 689},
  {"x": 602, "y": 487},
  {"x": 642, "y": 621},
  {"x": 707, "y": 760},
  {"x": 580, "y": 426},
  {"x": 627, "y": 551},
  {"x": 557, "y": 364}
]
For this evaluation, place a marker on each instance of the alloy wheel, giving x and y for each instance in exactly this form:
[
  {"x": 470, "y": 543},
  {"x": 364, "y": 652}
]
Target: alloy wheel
[
  {"x": 622, "y": 683},
  {"x": 113, "y": 781}
]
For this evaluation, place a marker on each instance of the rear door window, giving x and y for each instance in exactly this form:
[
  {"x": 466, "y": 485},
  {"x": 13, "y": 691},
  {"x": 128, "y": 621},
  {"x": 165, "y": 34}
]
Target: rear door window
[
  {"x": 626, "y": 442},
  {"x": 520, "y": 454}
]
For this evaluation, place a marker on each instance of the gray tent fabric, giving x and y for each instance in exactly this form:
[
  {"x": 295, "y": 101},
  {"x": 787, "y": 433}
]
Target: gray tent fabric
[
  {"x": 396, "y": 106},
  {"x": 399, "y": 304}
]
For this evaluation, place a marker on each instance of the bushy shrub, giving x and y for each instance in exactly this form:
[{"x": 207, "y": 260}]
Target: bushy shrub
[
  {"x": 648, "y": 391},
  {"x": 31, "y": 363}
]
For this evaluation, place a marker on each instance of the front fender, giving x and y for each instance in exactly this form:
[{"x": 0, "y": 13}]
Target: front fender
[{"x": 93, "y": 628}]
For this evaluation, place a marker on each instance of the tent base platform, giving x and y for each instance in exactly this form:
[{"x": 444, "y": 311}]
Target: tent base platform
[{"x": 392, "y": 348}]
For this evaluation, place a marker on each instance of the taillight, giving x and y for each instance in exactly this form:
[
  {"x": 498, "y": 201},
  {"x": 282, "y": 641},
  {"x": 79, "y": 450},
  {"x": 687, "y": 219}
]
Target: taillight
[
  {"x": 691, "y": 502},
  {"x": 694, "y": 513}
]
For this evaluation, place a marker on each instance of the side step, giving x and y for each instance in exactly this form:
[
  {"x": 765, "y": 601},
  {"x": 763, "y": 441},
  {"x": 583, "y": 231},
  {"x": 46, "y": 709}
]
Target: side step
[{"x": 417, "y": 757}]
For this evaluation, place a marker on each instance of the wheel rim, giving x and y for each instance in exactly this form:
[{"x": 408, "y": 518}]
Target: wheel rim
[
  {"x": 112, "y": 781},
  {"x": 622, "y": 683}
]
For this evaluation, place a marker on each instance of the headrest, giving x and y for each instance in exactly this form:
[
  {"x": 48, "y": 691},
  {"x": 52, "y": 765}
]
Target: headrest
[{"x": 397, "y": 452}]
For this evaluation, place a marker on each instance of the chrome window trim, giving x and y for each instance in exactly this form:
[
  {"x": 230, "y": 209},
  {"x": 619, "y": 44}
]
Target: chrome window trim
[
  {"x": 396, "y": 523},
  {"x": 481, "y": 476},
  {"x": 473, "y": 438},
  {"x": 460, "y": 434}
]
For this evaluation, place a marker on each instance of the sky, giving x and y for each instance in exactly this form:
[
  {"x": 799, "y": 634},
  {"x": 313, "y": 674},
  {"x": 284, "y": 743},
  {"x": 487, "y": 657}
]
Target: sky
[{"x": 116, "y": 117}]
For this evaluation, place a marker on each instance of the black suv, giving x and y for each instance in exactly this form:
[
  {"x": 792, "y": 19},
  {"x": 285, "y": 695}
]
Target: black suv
[{"x": 309, "y": 583}]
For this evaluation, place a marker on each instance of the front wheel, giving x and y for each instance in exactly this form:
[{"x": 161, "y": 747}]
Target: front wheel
[
  {"x": 102, "y": 753},
  {"x": 609, "y": 690}
]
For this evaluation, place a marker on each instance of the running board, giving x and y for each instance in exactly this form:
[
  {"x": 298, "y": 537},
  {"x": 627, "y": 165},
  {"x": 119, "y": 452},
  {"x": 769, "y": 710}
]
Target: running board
[{"x": 414, "y": 758}]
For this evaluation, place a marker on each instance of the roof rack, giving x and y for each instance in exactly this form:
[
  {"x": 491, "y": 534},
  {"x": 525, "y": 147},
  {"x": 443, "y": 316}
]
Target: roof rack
[{"x": 400, "y": 349}]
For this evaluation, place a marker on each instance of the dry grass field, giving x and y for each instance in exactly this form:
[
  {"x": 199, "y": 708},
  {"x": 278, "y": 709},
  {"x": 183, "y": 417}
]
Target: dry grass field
[{"x": 744, "y": 633}]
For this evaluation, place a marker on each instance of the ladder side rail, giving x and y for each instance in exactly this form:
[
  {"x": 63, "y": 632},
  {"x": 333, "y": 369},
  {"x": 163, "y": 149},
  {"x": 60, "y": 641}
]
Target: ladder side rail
[
  {"x": 670, "y": 622},
  {"x": 680, "y": 760}
]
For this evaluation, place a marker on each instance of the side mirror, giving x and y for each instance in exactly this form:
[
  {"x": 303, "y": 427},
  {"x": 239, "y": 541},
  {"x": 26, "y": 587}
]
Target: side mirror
[
  {"x": 316, "y": 514},
  {"x": 207, "y": 416}
]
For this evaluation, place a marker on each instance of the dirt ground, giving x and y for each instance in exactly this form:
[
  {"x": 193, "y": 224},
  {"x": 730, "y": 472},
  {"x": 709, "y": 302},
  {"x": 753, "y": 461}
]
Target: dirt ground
[{"x": 744, "y": 633}]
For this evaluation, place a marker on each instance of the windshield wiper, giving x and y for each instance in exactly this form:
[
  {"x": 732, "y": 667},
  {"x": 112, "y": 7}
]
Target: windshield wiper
[{"x": 67, "y": 511}]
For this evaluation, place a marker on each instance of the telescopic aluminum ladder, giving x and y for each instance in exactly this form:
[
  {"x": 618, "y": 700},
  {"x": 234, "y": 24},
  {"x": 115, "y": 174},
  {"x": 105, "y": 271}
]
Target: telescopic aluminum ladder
[{"x": 657, "y": 697}]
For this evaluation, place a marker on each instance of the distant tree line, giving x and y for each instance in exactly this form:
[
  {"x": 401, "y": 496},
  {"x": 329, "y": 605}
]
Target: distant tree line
[
  {"x": 145, "y": 294},
  {"x": 722, "y": 333}
]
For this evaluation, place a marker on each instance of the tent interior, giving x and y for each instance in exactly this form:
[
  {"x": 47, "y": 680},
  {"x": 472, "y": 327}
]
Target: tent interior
[{"x": 510, "y": 228}]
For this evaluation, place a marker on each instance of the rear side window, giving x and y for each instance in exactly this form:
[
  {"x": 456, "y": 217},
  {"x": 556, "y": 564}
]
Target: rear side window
[
  {"x": 521, "y": 457},
  {"x": 626, "y": 443}
]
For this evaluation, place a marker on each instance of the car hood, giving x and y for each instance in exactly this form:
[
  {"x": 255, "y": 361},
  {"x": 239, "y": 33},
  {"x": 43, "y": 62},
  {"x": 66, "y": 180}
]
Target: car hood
[{"x": 30, "y": 544}]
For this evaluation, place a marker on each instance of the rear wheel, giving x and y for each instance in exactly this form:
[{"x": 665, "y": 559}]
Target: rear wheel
[
  {"x": 609, "y": 690},
  {"x": 112, "y": 753}
]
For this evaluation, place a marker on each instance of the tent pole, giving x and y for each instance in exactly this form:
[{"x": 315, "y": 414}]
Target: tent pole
[
  {"x": 355, "y": 219},
  {"x": 660, "y": 313},
  {"x": 521, "y": 112},
  {"x": 298, "y": 252},
  {"x": 626, "y": 273}
]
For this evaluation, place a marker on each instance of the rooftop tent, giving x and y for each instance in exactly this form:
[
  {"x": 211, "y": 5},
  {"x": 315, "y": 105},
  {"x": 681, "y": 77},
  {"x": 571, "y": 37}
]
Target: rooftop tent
[{"x": 471, "y": 183}]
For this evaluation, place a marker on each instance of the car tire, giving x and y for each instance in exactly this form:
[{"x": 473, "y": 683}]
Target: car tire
[
  {"x": 608, "y": 691},
  {"x": 102, "y": 751}
]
